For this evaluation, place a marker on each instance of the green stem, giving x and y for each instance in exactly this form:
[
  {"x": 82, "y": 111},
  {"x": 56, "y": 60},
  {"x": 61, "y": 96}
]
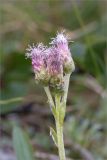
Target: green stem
[
  {"x": 59, "y": 130},
  {"x": 61, "y": 149}
]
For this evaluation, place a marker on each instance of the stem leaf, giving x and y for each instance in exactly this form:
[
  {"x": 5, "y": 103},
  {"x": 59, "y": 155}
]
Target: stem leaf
[
  {"x": 54, "y": 135},
  {"x": 54, "y": 111},
  {"x": 62, "y": 113}
]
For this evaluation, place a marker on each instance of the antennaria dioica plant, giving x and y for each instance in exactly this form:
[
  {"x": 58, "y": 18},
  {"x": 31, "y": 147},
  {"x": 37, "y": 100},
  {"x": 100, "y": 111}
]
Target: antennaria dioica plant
[{"x": 52, "y": 67}]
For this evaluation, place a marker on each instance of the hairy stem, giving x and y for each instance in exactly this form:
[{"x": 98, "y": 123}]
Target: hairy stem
[
  {"x": 61, "y": 149},
  {"x": 59, "y": 130}
]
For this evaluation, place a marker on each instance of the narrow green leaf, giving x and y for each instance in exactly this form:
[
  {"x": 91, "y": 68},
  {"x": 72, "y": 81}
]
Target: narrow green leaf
[
  {"x": 21, "y": 145},
  {"x": 62, "y": 113},
  {"x": 54, "y": 135},
  {"x": 54, "y": 111}
]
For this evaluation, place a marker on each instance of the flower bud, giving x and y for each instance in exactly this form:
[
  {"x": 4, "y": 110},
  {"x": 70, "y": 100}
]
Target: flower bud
[{"x": 69, "y": 66}]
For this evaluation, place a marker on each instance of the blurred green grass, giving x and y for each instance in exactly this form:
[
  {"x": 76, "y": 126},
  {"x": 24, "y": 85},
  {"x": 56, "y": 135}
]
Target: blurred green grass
[{"x": 26, "y": 22}]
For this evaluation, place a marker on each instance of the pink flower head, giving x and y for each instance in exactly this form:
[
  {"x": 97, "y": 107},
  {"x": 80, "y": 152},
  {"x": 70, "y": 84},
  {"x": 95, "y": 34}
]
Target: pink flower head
[
  {"x": 38, "y": 56},
  {"x": 61, "y": 45},
  {"x": 54, "y": 63},
  {"x": 51, "y": 64}
]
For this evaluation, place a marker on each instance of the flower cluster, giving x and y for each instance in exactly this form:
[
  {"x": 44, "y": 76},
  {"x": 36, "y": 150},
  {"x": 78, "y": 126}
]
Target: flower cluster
[{"x": 51, "y": 64}]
